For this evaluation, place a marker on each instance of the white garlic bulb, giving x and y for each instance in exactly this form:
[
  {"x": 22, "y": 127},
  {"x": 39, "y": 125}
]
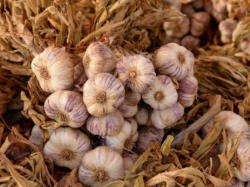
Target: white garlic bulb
[
  {"x": 103, "y": 94},
  {"x": 127, "y": 110},
  {"x": 36, "y": 136},
  {"x": 226, "y": 29},
  {"x": 167, "y": 117},
  {"x": 100, "y": 166},
  {"x": 148, "y": 134},
  {"x": 136, "y": 72},
  {"x": 129, "y": 161},
  {"x": 187, "y": 91},
  {"x": 177, "y": 29},
  {"x": 67, "y": 108},
  {"x": 125, "y": 139},
  {"x": 54, "y": 69},
  {"x": 98, "y": 58},
  {"x": 199, "y": 23},
  {"x": 174, "y": 61},
  {"x": 162, "y": 93},
  {"x": 108, "y": 125},
  {"x": 142, "y": 116},
  {"x": 67, "y": 147}
]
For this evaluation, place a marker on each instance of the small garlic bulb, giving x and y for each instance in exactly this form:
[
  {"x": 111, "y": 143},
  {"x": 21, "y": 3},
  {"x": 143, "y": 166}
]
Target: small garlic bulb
[
  {"x": 125, "y": 139},
  {"x": 67, "y": 108},
  {"x": 174, "y": 61},
  {"x": 187, "y": 91},
  {"x": 162, "y": 93},
  {"x": 190, "y": 42},
  {"x": 98, "y": 58},
  {"x": 54, "y": 69},
  {"x": 131, "y": 98},
  {"x": 226, "y": 28},
  {"x": 199, "y": 23},
  {"x": 136, "y": 72},
  {"x": 36, "y": 136},
  {"x": 245, "y": 46},
  {"x": 142, "y": 116},
  {"x": 67, "y": 147},
  {"x": 167, "y": 117},
  {"x": 128, "y": 111},
  {"x": 148, "y": 134},
  {"x": 129, "y": 161},
  {"x": 177, "y": 29},
  {"x": 101, "y": 166},
  {"x": 103, "y": 94},
  {"x": 108, "y": 125}
]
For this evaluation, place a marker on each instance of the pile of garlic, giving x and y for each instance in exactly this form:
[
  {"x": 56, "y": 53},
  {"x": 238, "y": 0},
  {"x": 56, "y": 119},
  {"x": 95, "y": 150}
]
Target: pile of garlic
[{"x": 116, "y": 95}]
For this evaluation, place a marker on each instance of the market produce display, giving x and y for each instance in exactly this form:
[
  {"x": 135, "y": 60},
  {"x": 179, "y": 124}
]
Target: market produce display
[{"x": 119, "y": 93}]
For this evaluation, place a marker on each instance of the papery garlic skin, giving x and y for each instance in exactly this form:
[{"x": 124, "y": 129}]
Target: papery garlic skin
[
  {"x": 66, "y": 107},
  {"x": 199, "y": 23},
  {"x": 226, "y": 29},
  {"x": 190, "y": 42},
  {"x": 54, "y": 69},
  {"x": 142, "y": 116},
  {"x": 36, "y": 136},
  {"x": 187, "y": 91},
  {"x": 98, "y": 58},
  {"x": 136, "y": 72},
  {"x": 103, "y": 94},
  {"x": 101, "y": 166},
  {"x": 162, "y": 93},
  {"x": 174, "y": 61},
  {"x": 148, "y": 134},
  {"x": 67, "y": 147},
  {"x": 128, "y": 111},
  {"x": 125, "y": 139},
  {"x": 177, "y": 29},
  {"x": 129, "y": 161},
  {"x": 108, "y": 125},
  {"x": 167, "y": 117}
]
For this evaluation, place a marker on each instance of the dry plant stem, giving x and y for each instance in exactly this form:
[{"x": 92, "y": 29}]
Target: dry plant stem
[{"x": 216, "y": 108}]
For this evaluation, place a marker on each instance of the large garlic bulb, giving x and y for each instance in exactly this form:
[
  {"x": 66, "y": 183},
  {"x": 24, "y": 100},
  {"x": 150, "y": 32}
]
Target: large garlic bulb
[
  {"x": 174, "y": 61},
  {"x": 101, "y": 166},
  {"x": 98, "y": 58},
  {"x": 167, "y": 117},
  {"x": 103, "y": 94},
  {"x": 67, "y": 147},
  {"x": 162, "y": 93},
  {"x": 55, "y": 69},
  {"x": 67, "y": 108},
  {"x": 108, "y": 125},
  {"x": 136, "y": 72}
]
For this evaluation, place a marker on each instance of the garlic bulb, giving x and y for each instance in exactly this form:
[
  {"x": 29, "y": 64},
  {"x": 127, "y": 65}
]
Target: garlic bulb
[
  {"x": 127, "y": 110},
  {"x": 226, "y": 28},
  {"x": 162, "y": 93},
  {"x": 54, "y": 69},
  {"x": 188, "y": 10},
  {"x": 125, "y": 139},
  {"x": 148, "y": 134},
  {"x": 103, "y": 94},
  {"x": 175, "y": 4},
  {"x": 199, "y": 23},
  {"x": 108, "y": 125},
  {"x": 167, "y": 117},
  {"x": 129, "y": 161},
  {"x": 136, "y": 72},
  {"x": 220, "y": 5},
  {"x": 67, "y": 108},
  {"x": 131, "y": 98},
  {"x": 198, "y": 4},
  {"x": 100, "y": 166},
  {"x": 177, "y": 29},
  {"x": 174, "y": 61},
  {"x": 245, "y": 46},
  {"x": 187, "y": 91},
  {"x": 142, "y": 116},
  {"x": 190, "y": 42},
  {"x": 67, "y": 147},
  {"x": 36, "y": 136},
  {"x": 98, "y": 58}
]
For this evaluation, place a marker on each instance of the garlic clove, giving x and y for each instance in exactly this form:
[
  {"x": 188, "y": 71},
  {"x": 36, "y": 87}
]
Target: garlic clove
[
  {"x": 101, "y": 166},
  {"x": 167, "y": 117},
  {"x": 199, "y": 23},
  {"x": 162, "y": 93},
  {"x": 67, "y": 147},
  {"x": 226, "y": 29},
  {"x": 66, "y": 107},
  {"x": 98, "y": 58},
  {"x": 107, "y": 125},
  {"x": 174, "y": 61},
  {"x": 136, "y": 72},
  {"x": 127, "y": 110},
  {"x": 36, "y": 136},
  {"x": 54, "y": 69},
  {"x": 103, "y": 94}
]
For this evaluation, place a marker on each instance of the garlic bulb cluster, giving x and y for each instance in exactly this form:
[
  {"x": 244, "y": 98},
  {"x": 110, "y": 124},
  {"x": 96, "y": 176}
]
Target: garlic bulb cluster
[
  {"x": 226, "y": 28},
  {"x": 101, "y": 166},
  {"x": 67, "y": 147}
]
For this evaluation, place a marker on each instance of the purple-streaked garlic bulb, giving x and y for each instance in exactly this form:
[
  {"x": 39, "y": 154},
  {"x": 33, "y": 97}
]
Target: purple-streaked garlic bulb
[{"x": 199, "y": 23}]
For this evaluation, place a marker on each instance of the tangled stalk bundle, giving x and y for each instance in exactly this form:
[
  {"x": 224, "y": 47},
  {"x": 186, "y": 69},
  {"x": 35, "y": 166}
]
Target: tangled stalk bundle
[{"x": 122, "y": 93}]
